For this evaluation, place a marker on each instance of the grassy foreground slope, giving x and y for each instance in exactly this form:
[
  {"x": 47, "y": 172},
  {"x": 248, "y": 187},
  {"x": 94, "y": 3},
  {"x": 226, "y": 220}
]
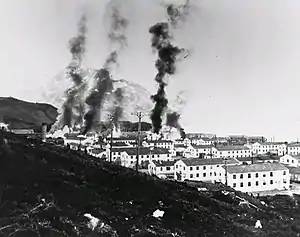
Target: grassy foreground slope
[{"x": 46, "y": 190}]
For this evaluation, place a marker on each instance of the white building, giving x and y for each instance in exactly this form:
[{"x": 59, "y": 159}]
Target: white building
[
  {"x": 128, "y": 156},
  {"x": 207, "y": 170},
  {"x": 168, "y": 144},
  {"x": 291, "y": 160},
  {"x": 204, "y": 151},
  {"x": 293, "y": 148},
  {"x": 202, "y": 141},
  {"x": 278, "y": 148},
  {"x": 258, "y": 177},
  {"x": 232, "y": 152},
  {"x": 162, "y": 169}
]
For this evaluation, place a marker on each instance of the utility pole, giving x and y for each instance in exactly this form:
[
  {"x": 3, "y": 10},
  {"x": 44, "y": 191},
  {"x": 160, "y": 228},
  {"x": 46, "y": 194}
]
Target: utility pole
[
  {"x": 111, "y": 137},
  {"x": 226, "y": 175},
  {"x": 139, "y": 115}
]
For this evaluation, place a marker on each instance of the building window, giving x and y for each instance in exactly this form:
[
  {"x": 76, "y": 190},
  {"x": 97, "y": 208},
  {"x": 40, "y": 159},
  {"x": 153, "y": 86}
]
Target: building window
[
  {"x": 191, "y": 168},
  {"x": 242, "y": 185},
  {"x": 215, "y": 173},
  {"x": 271, "y": 174},
  {"x": 210, "y": 173},
  {"x": 256, "y": 175},
  {"x": 234, "y": 176},
  {"x": 204, "y": 167},
  {"x": 197, "y": 175},
  {"x": 264, "y": 175},
  {"x": 197, "y": 168},
  {"x": 204, "y": 174},
  {"x": 168, "y": 168},
  {"x": 284, "y": 172},
  {"x": 241, "y": 176},
  {"x": 249, "y": 176},
  {"x": 271, "y": 181},
  {"x": 234, "y": 185},
  {"x": 249, "y": 184},
  {"x": 191, "y": 176},
  {"x": 256, "y": 183},
  {"x": 264, "y": 183}
]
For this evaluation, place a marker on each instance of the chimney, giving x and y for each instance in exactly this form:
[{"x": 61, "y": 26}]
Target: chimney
[{"x": 44, "y": 132}]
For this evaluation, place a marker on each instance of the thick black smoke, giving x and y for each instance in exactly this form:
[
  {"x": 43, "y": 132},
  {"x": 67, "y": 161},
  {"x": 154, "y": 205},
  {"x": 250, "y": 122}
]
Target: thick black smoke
[
  {"x": 118, "y": 109},
  {"x": 94, "y": 100},
  {"x": 74, "y": 101},
  {"x": 177, "y": 13},
  {"x": 104, "y": 83},
  {"x": 165, "y": 64},
  {"x": 173, "y": 121}
]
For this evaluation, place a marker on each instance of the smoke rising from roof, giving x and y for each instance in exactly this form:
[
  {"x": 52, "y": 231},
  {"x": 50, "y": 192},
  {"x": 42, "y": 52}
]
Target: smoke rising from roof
[
  {"x": 74, "y": 95},
  {"x": 166, "y": 62},
  {"x": 104, "y": 84}
]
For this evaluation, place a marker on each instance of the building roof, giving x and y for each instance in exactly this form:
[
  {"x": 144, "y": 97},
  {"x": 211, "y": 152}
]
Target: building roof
[
  {"x": 180, "y": 146},
  {"x": 231, "y": 148},
  {"x": 214, "y": 161},
  {"x": 143, "y": 150},
  {"x": 116, "y": 144},
  {"x": 97, "y": 150},
  {"x": 163, "y": 163},
  {"x": 201, "y": 146},
  {"x": 294, "y": 144},
  {"x": 244, "y": 159},
  {"x": 158, "y": 141},
  {"x": 124, "y": 138},
  {"x": 294, "y": 170},
  {"x": 271, "y": 143},
  {"x": 268, "y": 157},
  {"x": 257, "y": 167}
]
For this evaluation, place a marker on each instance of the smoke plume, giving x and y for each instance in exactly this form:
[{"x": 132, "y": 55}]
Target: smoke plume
[
  {"x": 173, "y": 121},
  {"x": 104, "y": 83},
  {"x": 165, "y": 64},
  {"x": 74, "y": 99},
  {"x": 118, "y": 109}
]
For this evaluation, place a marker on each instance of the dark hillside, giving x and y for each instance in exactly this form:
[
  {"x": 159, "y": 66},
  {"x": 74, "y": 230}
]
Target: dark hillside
[
  {"x": 21, "y": 114},
  {"x": 46, "y": 190}
]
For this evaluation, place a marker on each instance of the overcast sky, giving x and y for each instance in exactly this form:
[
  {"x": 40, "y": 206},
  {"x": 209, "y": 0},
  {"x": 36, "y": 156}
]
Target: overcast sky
[{"x": 242, "y": 75}]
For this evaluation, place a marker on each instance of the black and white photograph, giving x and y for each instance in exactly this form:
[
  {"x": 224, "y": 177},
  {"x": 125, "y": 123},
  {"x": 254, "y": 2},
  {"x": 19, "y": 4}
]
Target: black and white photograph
[{"x": 149, "y": 118}]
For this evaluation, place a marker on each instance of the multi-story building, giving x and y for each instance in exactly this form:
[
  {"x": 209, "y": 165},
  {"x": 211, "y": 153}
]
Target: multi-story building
[
  {"x": 278, "y": 148},
  {"x": 294, "y": 174},
  {"x": 290, "y": 160},
  {"x": 293, "y": 148},
  {"x": 162, "y": 169},
  {"x": 203, "y": 141},
  {"x": 200, "y": 135},
  {"x": 168, "y": 144},
  {"x": 128, "y": 156},
  {"x": 208, "y": 170},
  {"x": 204, "y": 151},
  {"x": 232, "y": 152},
  {"x": 258, "y": 177}
]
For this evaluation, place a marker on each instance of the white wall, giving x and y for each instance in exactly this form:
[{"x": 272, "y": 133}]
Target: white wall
[
  {"x": 278, "y": 179},
  {"x": 289, "y": 160}
]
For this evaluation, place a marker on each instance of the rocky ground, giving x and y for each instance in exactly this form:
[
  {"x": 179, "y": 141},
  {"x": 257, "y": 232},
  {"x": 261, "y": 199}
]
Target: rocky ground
[{"x": 48, "y": 191}]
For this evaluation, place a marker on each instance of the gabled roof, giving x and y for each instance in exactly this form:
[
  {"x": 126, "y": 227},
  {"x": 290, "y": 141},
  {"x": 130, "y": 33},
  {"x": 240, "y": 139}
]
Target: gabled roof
[
  {"x": 143, "y": 150},
  {"x": 294, "y": 170},
  {"x": 232, "y": 148},
  {"x": 271, "y": 143},
  {"x": 257, "y": 167},
  {"x": 268, "y": 157},
  {"x": 244, "y": 159},
  {"x": 201, "y": 146},
  {"x": 158, "y": 141},
  {"x": 297, "y": 157},
  {"x": 163, "y": 163},
  {"x": 294, "y": 144},
  {"x": 214, "y": 161},
  {"x": 116, "y": 144}
]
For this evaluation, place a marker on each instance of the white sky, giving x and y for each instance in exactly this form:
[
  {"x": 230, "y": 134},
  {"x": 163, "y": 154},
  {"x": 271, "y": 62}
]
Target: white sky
[{"x": 242, "y": 75}]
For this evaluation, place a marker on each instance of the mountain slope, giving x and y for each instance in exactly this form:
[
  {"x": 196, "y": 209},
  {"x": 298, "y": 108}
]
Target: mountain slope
[
  {"x": 21, "y": 114},
  {"x": 56, "y": 187}
]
